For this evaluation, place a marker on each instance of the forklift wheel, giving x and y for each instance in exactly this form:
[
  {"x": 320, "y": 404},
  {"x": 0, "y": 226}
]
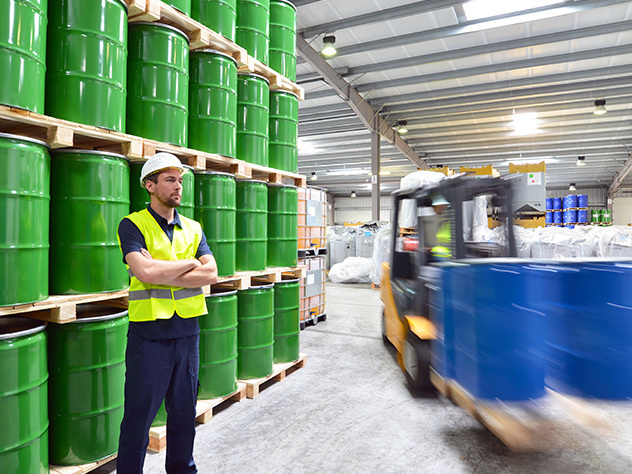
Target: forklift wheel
[
  {"x": 416, "y": 355},
  {"x": 384, "y": 338}
]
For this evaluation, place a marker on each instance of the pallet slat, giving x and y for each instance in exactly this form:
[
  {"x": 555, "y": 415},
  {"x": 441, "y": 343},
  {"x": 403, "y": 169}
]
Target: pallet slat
[{"x": 279, "y": 373}]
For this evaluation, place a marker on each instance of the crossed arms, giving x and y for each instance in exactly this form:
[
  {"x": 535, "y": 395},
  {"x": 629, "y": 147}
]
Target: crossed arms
[{"x": 189, "y": 273}]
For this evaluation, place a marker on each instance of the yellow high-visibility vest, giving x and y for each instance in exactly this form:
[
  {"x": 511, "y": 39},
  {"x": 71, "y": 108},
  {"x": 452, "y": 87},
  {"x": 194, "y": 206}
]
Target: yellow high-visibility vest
[
  {"x": 149, "y": 302},
  {"x": 444, "y": 239}
]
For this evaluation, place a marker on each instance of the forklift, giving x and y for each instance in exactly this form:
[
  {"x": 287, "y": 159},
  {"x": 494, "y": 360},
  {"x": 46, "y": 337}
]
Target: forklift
[{"x": 443, "y": 211}]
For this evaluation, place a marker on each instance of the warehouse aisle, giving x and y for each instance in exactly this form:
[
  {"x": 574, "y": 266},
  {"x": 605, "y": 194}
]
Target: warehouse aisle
[{"x": 349, "y": 410}]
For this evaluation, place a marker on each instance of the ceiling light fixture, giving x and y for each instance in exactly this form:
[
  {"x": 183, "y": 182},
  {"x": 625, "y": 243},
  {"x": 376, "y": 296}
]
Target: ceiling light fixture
[
  {"x": 353, "y": 194},
  {"x": 581, "y": 161},
  {"x": 329, "y": 46},
  {"x": 572, "y": 187},
  {"x": 401, "y": 127},
  {"x": 314, "y": 176},
  {"x": 600, "y": 107}
]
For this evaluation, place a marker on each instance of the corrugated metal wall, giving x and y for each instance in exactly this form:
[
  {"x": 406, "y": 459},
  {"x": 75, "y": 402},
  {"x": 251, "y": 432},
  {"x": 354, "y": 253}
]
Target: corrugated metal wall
[
  {"x": 352, "y": 210},
  {"x": 596, "y": 196}
]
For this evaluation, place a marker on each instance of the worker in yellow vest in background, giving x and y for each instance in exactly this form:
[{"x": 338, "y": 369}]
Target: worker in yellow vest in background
[
  {"x": 168, "y": 260},
  {"x": 441, "y": 249}
]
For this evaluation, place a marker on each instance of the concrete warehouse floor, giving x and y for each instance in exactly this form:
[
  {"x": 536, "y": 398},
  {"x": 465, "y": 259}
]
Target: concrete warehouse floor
[{"x": 349, "y": 411}]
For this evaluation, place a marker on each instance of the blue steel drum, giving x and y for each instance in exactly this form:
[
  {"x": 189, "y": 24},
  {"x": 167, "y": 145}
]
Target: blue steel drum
[
  {"x": 557, "y": 203},
  {"x": 549, "y": 204},
  {"x": 569, "y": 226},
  {"x": 569, "y": 216},
  {"x": 440, "y": 302},
  {"x": 498, "y": 335},
  {"x": 557, "y": 217},
  {"x": 582, "y": 216},
  {"x": 582, "y": 200},
  {"x": 549, "y": 217},
  {"x": 570, "y": 201}
]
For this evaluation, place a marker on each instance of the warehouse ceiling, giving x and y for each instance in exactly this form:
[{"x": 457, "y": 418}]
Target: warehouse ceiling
[{"x": 508, "y": 87}]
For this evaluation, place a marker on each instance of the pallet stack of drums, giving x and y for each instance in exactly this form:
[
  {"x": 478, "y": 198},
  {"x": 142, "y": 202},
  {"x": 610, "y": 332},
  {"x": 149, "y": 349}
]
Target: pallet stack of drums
[
  {"x": 601, "y": 217},
  {"x": 553, "y": 212}
]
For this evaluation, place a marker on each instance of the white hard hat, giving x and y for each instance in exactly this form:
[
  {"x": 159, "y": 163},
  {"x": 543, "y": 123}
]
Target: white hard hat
[
  {"x": 439, "y": 201},
  {"x": 158, "y": 162}
]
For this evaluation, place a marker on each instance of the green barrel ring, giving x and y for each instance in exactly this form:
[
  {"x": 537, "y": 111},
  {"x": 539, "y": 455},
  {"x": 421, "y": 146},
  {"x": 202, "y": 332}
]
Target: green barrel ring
[
  {"x": 253, "y": 116},
  {"x": 283, "y": 38},
  {"x": 23, "y": 396},
  {"x": 23, "y": 53},
  {"x": 183, "y": 5},
  {"x": 138, "y": 196},
  {"x": 158, "y": 83},
  {"x": 215, "y": 210},
  {"x": 213, "y": 102},
  {"x": 89, "y": 197},
  {"x": 25, "y": 209},
  {"x": 219, "y": 15},
  {"x": 283, "y": 150},
  {"x": 282, "y": 225},
  {"x": 253, "y": 28},
  {"x": 251, "y": 225},
  {"x": 218, "y": 345},
  {"x": 255, "y": 340},
  {"x": 187, "y": 204},
  {"x": 87, "y": 379},
  {"x": 286, "y": 320}
]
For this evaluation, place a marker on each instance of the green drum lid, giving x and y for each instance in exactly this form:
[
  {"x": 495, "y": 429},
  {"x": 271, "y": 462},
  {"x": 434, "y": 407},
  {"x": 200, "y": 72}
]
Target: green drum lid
[
  {"x": 219, "y": 15},
  {"x": 183, "y": 5}
]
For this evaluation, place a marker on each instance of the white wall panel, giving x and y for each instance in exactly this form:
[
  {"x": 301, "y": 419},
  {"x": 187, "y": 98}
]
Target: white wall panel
[
  {"x": 622, "y": 210},
  {"x": 347, "y": 209}
]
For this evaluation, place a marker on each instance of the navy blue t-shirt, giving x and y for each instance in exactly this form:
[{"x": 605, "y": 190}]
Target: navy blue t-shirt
[{"x": 133, "y": 240}]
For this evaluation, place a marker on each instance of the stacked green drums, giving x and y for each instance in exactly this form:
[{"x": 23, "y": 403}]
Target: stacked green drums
[
  {"x": 252, "y": 225},
  {"x": 283, "y": 151},
  {"x": 282, "y": 225},
  {"x": 87, "y": 379},
  {"x": 183, "y": 5},
  {"x": 89, "y": 197},
  {"x": 253, "y": 28},
  {"x": 283, "y": 38},
  {"x": 215, "y": 210},
  {"x": 253, "y": 115},
  {"x": 87, "y": 62},
  {"x": 23, "y": 53},
  {"x": 213, "y": 102},
  {"x": 24, "y": 207},
  {"x": 138, "y": 196},
  {"x": 187, "y": 204},
  {"x": 218, "y": 345},
  {"x": 286, "y": 320},
  {"x": 158, "y": 83},
  {"x": 23, "y": 396},
  {"x": 256, "y": 331},
  {"x": 219, "y": 15}
]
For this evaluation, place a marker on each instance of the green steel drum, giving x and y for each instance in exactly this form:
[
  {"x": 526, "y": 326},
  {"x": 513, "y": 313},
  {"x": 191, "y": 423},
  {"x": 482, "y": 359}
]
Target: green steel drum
[
  {"x": 24, "y": 207},
  {"x": 23, "y": 396},
  {"x": 283, "y": 38},
  {"x": 187, "y": 204},
  {"x": 158, "y": 83},
  {"x": 286, "y": 320},
  {"x": 87, "y": 62},
  {"x": 183, "y": 5},
  {"x": 607, "y": 216},
  {"x": 252, "y": 225},
  {"x": 255, "y": 334},
  {"x": 282, "y": 225},
  {"x": 213, "y": 102},
  {"x": 215, "y": 210},
  {"x": 219, "y": 15},
  {"x": 89, "y": 197},
  {"x": 138, "y": 196},
  {"x": 87, "y": 379},
  {"x": 218, "y": 345},
  {"x": 594, "y": 216},
  {"x": 161, "y": 416},
  {"x": 23, "y": 53},
  {"x": 253, "y": 115},
  {"x": 283, "y": 151},
  {"x": 253, "y": 28}
]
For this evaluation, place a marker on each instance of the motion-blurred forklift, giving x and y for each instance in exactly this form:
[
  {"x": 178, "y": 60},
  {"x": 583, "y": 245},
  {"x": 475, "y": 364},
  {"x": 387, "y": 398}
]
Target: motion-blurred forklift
[{"x": 443, "y": 234}]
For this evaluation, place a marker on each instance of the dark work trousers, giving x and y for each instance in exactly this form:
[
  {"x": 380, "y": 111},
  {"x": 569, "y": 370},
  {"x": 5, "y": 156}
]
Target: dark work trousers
[{"x": 156, "y": 370}]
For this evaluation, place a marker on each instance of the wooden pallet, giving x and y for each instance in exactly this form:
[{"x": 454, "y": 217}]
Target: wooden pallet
[
  {"x": 81, "y": 468},
  {"x": 243, "y": 280},
  {"x": 279, "y": 373},
  {"x": 63, "y": 308},
  {"x": 204, "y": 413}
]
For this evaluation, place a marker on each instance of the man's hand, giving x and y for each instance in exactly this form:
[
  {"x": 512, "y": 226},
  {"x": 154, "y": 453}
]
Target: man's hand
[
  {"x": 145, "y": 253},
  {"x": 204, "y": 274}
]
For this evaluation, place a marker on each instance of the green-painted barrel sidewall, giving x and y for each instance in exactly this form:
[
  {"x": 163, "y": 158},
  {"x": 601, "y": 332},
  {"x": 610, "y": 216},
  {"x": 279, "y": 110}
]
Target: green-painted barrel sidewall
[
  {"x": 256, "y": 332},
  {"x": 183, "y": 5},
  {"x": 282, "y": 226},
  {"x": 283, "y": 38},
  {"x": 187, "y": 204},
  {"x": 215, "y": 210},
  {"x": 24, "y": 207},
  {"x": 87, "y": 62},
  {"x": 218, "y": 346},
  {"x": 23, "y": 398},
  {"x": 219, "y": 15},
  {"x": 161, "y": 416},
  {"x": 253, "y": 115},
  {"x": 253, "y": 28},
  {"x": 286, "y": 321},
  {"x": 23, "y": 53},
  {"x": 252, "y": 225},
  {"x": 89, "y": 197},
  {"x": 87, "y": 378},
  {"x": 158, "y": 83},
  {"x": 213, "y": 103},
  {"x": 283, "y": 151},
  {"x": 138, "y": 197}
]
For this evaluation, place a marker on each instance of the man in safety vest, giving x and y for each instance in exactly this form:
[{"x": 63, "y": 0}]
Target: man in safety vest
[
  {"x": 168, "y": 260},
  {"x": 441, "y": 248}
]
